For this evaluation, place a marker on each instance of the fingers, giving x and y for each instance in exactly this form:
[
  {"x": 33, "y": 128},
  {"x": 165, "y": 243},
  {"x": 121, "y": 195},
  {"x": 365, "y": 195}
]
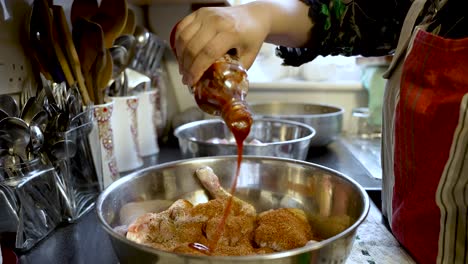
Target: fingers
[
  {"x": 178, "y": 27},
  {"x": 182, "y": 24},
  {"x": 184, "y": 32},
  {"x": 186, "y": 35},
  {"x": 201, "y": 39},
  {"x": 197, "y": 42},
  {"x": 207, "y": 34},
  {"x": 213, "y": 50}
]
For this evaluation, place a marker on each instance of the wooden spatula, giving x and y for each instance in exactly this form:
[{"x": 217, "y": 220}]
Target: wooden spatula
[
  {"x": 66, "y": 41},
  {"x": 89, "y": 42},
  {"x": 104, "y": 76},
  {"x": 112, "y": 16},
  {"x": 84, "y": 9},
  {"x": 130, "y": 24}
]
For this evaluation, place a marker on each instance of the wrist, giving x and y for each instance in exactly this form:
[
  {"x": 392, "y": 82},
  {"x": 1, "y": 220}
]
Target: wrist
[
  {"x": 286, "y": 21},
  {"x": 260, "y": 10}
]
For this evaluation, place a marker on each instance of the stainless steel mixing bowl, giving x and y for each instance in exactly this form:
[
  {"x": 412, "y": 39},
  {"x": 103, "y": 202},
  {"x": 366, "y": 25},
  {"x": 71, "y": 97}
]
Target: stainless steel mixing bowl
[
  {"x": 279, "y": 138},
  {"x": 335, "y": 204},
  {"x": 327, "y": 120}
]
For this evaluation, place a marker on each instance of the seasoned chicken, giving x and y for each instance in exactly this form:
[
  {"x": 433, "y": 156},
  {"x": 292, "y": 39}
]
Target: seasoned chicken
[
  {"x": 182, "y": 224},
  {"x": 168, "y": 229},
  {"x": 283, "y": 229},
  {"x": 238, "y": 230},
  {"x": 185, "y": 228}
]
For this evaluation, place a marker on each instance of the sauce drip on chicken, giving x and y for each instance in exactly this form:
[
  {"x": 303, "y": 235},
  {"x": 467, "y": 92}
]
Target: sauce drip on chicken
[
  {"x": 187, "y": 228},
  {"x": 221, "y": 91}
]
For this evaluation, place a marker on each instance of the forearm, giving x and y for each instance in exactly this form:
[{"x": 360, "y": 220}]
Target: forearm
[
  {"x": 286, "y": 21},
  {"x": 349, "y": 27}
]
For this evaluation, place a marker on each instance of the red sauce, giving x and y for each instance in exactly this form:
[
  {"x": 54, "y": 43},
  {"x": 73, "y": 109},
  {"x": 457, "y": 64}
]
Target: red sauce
[
  {"x": 221, "y": 91},
  {"x": 227, "y": 209}
]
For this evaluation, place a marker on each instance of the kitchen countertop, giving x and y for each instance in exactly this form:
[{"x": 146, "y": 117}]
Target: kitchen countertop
[{"x": 86, "y": 242}]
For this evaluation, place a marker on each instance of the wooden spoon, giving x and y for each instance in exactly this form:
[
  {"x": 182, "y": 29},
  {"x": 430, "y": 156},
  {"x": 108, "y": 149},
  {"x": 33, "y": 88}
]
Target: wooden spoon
[
  {"x": 83, "y": 8},
  {"x": 52, "y": 40},
  {"x": 104, "y": 76},
  {"x": 42, "y": 41},
  {"x": 112, "y": 17},
  {"x": 130, "y": 25},
  {"x": 31, "y": 49},
  {"x": 98, "y": 67},
  {"x": 89, "y": 42},
  {"x": 66, "y": 42}
]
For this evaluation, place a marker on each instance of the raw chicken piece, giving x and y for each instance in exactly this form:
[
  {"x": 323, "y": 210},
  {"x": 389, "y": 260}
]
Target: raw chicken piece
[
  {"x": 184, "y": 228},
  {"x": 167, "y": 229},
  {"x": 240, "y": 224},
  {"x": 210, "y": 181},
  {"x": 283, "y": 229},
  {"x": 131, "y": 211},
  {"x": 182, "y": 224}
]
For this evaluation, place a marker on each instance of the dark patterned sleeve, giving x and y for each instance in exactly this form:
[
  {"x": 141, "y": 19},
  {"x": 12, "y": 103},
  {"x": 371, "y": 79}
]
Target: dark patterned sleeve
[{"x": 349, "y": 27}]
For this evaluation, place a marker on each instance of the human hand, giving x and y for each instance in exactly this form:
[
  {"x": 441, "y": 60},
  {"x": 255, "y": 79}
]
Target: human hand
[{"x": 209, "y": 33}]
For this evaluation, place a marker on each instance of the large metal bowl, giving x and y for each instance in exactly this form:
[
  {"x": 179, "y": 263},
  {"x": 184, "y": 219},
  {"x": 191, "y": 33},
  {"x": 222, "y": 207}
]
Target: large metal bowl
[
  {"x": 327, "y": 120},
  {"x": 279, "y": 138},
  {"x": 325, "y": 195}
]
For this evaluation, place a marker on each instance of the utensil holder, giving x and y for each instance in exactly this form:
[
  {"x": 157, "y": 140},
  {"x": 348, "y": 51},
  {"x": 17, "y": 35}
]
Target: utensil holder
[
  {"x": 147, "y": 123},
  {"x": 110, "y": 171},
  {"x": 124, "y": 123},
  {"x": 78, "y": 167},
  {"x": 30, "y": 202},
  {"x": 159, "y": 83}
]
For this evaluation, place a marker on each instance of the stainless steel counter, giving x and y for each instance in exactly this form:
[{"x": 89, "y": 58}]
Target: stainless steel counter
[{"x": 86, "y": 242}]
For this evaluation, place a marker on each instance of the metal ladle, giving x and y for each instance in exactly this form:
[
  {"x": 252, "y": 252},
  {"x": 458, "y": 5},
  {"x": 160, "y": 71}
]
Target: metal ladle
[
  {"x": 120, "y": 58},
  {"x": 142, "y": 36},
  {"x": 129, "y": 43},
  {"x": 119, "y": 86}
]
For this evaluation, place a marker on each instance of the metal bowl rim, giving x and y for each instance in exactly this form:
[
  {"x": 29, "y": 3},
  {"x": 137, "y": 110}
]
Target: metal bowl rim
[
  {"x": 309, "y": 137},
  {"x": 278, "y": 255},
  {"x": 339, "y": 110}
]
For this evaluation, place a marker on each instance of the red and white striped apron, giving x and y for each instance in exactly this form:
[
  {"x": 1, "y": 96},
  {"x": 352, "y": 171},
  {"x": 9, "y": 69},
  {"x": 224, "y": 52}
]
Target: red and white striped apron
[{"x": 425, "y": 144}]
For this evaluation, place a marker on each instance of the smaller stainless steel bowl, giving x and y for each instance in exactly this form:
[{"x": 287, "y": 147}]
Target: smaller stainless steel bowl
[
  {"x": 327, "y": 120},
  {"x": 279, "y": 138}
]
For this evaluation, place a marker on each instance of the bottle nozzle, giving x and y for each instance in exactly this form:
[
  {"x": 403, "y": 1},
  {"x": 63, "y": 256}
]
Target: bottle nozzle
[{"x": 238, "y": 118}]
